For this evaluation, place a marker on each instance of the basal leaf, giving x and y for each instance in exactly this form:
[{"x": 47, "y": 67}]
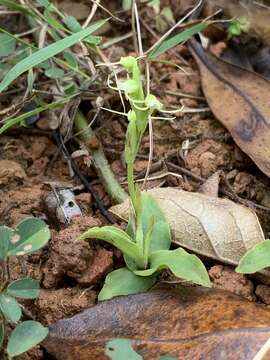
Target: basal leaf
[
  {"x": 124, "y": 282},
  {"x": 24, "y": 288},
  {"x": 46, "y": 53},
  {"x": 181, "y": 263},
  {"x": 10, "y": 308},
  {"x": 30, "y": 235},
  {"x": 5, "y": 236},
  {"x": 255, "y": 259},
  {"x": 177, "y": 39},
  {"x": 25, "y": 336},
  {"x": 151, "y": 212},
  {"x": 121, "y": 349},
  {"x": 116, "y": 237}
]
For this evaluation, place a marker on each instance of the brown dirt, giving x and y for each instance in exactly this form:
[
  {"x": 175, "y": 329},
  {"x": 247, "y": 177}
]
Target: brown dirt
[{"x": 224, "y": 277}]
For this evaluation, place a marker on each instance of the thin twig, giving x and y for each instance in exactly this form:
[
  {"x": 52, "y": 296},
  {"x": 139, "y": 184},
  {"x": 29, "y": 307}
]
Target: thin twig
[
  {"x": 92, "y": 14},
  {"x": 138, "y": 28}
]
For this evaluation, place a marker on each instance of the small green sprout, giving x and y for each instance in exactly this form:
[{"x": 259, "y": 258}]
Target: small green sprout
[
  {"x": 238, "y": 26},
  {"x": 147, "y": 239},
  {"x": 30, "y": 235}
]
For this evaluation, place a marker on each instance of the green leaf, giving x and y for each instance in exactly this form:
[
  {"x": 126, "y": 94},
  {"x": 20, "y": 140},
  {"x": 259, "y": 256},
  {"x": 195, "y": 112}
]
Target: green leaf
[
  {"x": 46, "y": 53},
  {"x": 7, "y": 44},
  {"x": 44, "y": 3},
  {"x": 168, "y": 14},
  {"x": 10, "y": 308},
  {"x": 52, "y": 21},
  {"x": 13, "y": 5},
  {"x": 55, "y": 73},
  {"x": 155, "y": 4},
  {"x": 5, "y": 236},
  {"x": 126, "y": 4},
  {"x": 151, "y": 212},
  {"x": 25, "y": 336},
  {"x": 2, "y": 333},
  {"x": 124, "y": 282},
  {"x": 30, "y": 235},
  {"x": 121, "y": 349},
  {"x": 74, "y": 26},
  {"x": 255, "y": 259},
  {"x": 181, "y": 263},
  {"x": 117, "y": 238},
  {"x": 71, "y": 59},
  {"x": 177, "y": 39},
  {"x": 4, "y": 68},
  {"x": 72, "y": 23},
  {"x": 24, "y": 288}
]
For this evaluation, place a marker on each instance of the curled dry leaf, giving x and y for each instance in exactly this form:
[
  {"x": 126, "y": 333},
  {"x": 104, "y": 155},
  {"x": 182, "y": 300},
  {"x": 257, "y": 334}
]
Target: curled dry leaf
[
  {"x": 240, "y": 101},
  {"x": 210, "y": 226},
  {"x": 189, "y": 323}
]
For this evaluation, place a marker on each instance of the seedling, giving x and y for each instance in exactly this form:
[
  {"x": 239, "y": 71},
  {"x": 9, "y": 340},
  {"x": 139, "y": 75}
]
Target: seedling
[
  {"x": 238, "y": 26},
  {"x": 29, "y": 236},
  {"x": 146, "y": 241}
]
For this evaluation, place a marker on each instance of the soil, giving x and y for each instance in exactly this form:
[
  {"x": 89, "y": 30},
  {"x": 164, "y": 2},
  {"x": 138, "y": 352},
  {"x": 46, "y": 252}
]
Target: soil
[{"x": 71, "y": 271}]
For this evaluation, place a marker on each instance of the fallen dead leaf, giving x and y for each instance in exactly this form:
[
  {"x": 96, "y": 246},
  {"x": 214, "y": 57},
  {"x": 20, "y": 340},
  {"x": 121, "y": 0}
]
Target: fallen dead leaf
[
  {"x": 240, "y": 101},
  {"x": 213, "y": 227},
  {"x": 189, "y": 323}
]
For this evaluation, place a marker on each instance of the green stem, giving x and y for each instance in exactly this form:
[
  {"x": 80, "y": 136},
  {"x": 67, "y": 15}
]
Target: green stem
[
  {"x": 104, "y": 171},
  {"x": 131, "y": 187}
]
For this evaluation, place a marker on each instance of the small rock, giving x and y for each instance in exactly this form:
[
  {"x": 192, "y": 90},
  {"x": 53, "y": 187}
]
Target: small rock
[
  {"x": 223, "y": 277},
  {"x": 263, "y": 293},
  {"x": 10, "y": 172},
  {"x": 101, "y": 265}
]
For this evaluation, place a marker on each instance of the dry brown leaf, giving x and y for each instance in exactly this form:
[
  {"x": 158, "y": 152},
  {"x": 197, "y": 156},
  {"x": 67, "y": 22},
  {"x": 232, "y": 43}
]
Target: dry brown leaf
[
  {"x": 213, "y": 227},
  {"x": 240, "y": 101},
  {"x": 189, "y": 323}
]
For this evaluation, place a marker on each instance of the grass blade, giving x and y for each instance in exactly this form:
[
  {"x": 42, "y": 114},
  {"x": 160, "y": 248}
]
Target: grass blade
[
  {"x": 13, "y": 5},
  {"x": 12, "y": 121},
  {"x": 46, "y": 53},
  {"x": 177, "y": 39}
]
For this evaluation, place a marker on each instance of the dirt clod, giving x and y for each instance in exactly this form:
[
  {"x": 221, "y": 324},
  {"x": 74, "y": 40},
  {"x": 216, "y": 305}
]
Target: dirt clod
[
  {"x": 101, "y": 265},
  {"x": 223, "y": 277},
  {"x": 11, "y": 172},
  {"x": 68, "y": 255},
  {"x": 263, "y": 293}
]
